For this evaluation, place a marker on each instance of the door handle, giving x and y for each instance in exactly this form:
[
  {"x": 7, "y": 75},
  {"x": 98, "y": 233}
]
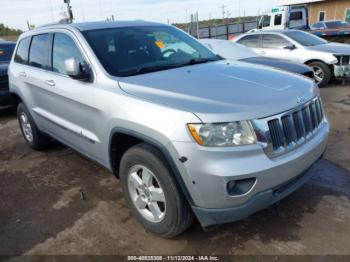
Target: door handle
[
  {"x": 50, "y": 82},
  {"x": 23, "y": 74}
]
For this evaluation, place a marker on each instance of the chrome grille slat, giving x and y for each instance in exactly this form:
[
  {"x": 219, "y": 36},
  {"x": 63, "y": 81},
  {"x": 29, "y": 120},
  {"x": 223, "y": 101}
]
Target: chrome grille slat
[
  {"x": 276, "y": 133},
  {"x": 291, "y": 129},
  {"x": 313, "y": 116},
  {"x": 299, "y": 124}
]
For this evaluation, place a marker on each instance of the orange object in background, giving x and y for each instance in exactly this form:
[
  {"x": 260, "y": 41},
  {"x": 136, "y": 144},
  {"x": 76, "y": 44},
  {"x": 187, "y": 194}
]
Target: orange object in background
[{"x": 160, "y": 44}]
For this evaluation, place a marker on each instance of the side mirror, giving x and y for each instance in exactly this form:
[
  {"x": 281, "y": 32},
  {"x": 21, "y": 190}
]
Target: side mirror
[
  {"x": 290, "y": 47},
  {"x": 76, "y": 70}
]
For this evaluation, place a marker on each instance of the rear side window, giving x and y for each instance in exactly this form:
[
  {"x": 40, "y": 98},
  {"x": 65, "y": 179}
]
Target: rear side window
[
  {"x": 250, "y": 41},
  {"x": 296, "y": 16},
  {"x": 318, "y": 25},
  {"x": 22, "y": 51},
  {"x": 274, "y": 42},
  {"x": 64, "y": 48},
  {"x": 39, "y": 55},
  {"x": 278, "y": 19}
]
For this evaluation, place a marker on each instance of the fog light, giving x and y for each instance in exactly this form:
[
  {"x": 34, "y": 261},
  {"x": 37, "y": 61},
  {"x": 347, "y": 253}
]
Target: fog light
[{"x": 240, "y": 187}]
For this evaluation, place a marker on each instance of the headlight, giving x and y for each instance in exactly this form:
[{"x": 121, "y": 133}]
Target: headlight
[{"x": 223, "y": 134}]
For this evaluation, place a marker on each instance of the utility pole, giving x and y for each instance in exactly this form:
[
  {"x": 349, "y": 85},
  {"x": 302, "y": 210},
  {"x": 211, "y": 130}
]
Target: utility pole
[
  {"x": 197, "y": 24},
  {"x": 223, "y": 13},
  {"x": 69, "y": 10}
]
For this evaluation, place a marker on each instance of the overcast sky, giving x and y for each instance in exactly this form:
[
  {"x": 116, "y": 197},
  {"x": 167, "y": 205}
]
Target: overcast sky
[{"x": 15, "y": 13}]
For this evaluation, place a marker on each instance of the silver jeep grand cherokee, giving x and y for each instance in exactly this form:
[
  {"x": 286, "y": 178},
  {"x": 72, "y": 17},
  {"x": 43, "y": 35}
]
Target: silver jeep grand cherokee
[{"x": 188, "y": 134}]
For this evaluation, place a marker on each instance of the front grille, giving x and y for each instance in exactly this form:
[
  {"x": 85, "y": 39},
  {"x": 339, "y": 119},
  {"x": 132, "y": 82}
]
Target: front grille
[
  {"x": 291, "y": 129},
  {"x": 4, "y": 83}
]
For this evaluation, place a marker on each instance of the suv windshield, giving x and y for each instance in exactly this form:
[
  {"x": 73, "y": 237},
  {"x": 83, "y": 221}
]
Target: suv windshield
[
  {"x": 136, "y": 50},
  {"x": 305, "y": 39},
  {"x": 6, "y": 51}
]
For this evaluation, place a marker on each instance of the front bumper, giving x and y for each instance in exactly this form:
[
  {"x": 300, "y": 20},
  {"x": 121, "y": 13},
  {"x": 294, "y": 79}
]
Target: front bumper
[
  {"x": 208, "y": 171},
  {"x": 209, "y": 217},
  {"x": 341, "y": 71}
]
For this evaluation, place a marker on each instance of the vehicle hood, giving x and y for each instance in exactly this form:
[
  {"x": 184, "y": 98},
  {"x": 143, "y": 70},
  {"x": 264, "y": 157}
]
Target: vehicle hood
[
  {"x": 334, "y": 48},
  {"x": 3, "y": 68},
  {"x": 222, "y": 91},
  {"x": 278, "y": 63}
]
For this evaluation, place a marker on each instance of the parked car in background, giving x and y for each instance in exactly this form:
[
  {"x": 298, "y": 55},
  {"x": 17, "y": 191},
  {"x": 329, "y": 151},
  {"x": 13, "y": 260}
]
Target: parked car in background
[
  {"x": 297, "y": 17},
  {"x": 234, "y": 51},
  {"x": 186, "y": 132},
  {"x": 332, "y": 24},
  {"x": 328, "y": 60},
  {"x": 6, "y": 51}
]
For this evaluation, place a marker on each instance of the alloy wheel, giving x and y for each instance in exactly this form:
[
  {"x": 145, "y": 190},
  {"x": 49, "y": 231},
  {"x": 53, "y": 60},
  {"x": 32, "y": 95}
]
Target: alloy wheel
[
  {"x": 146, "y": 193},
  {"x": 319, "y": 74},
  {"x": 26, "y": 127}
]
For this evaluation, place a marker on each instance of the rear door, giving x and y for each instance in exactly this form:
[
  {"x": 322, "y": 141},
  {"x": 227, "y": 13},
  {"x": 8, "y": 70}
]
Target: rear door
[
  {"x": 252, "y": 41},
  {"x": 33, "y": 75}
]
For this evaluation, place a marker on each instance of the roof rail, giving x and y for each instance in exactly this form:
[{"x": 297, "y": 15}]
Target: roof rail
[{"x": 62, "y": 21}]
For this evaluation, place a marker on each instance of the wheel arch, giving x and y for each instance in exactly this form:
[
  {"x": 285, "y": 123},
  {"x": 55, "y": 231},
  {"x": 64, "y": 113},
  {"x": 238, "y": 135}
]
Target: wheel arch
[
  {"x": 316, "y": 60},
  {"x": 122, "y": 139}
]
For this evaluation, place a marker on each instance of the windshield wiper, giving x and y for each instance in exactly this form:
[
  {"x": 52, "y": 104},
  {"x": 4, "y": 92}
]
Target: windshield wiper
[
  {"x": 195, "y": 61},
  {"x": 149, "y": 69}
]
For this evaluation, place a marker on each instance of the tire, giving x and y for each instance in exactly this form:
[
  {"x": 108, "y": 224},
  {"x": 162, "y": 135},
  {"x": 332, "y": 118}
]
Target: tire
[
  {"x": 175, "y": 215},
  {"x": 34, "y": 138},
  {"x": 324, "y": 74}
]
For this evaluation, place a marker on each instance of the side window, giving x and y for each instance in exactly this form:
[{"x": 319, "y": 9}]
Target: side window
[
  {"x": 23, "y": 51},
  {"x": 296, "y": 16},
  {"x": 322, "y": 16},
  {"x": 347, "y": 15},
  {"x": 266, "y": 20},
  {"x": 278, "y": 19},
  {"x": 39, "y": 52},
  {"x": 274, "y": 41},
  {"x": 64, "y": 48},
  {"x": 250, "y": 41},
  {"x": 318, "y": 25}
]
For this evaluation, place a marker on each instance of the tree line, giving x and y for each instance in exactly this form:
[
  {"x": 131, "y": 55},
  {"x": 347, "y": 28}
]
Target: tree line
[{"x": 7, "y": 31}]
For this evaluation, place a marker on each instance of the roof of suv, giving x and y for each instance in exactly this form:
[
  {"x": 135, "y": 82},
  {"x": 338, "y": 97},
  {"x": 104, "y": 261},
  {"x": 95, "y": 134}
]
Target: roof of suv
[{"x": 101, "y": 25}]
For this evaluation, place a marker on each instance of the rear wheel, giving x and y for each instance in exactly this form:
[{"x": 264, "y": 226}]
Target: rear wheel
[
  {"x": 322, "y": 73},
  {"x": 151, "y": 192},
  {"x": 35, "y": 139}
]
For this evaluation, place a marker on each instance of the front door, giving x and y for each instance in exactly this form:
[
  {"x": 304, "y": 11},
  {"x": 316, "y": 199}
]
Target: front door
[
  {"x": 66, "y": 105},
  {"x": 275, "y": 46}
]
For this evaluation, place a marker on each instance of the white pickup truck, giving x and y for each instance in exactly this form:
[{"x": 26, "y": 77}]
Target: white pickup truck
[{"x": 297, "y": 17}]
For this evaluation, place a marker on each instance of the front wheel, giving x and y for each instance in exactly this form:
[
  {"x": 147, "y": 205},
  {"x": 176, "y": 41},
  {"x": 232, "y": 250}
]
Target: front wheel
[
  {"x": 151, "y": 192},
  {"x": 322, "y": 73}
]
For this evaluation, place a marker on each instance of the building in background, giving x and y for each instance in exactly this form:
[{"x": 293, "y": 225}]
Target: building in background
[{"x": 321, "y": 10}]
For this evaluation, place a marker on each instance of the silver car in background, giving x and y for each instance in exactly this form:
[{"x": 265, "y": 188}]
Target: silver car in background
[
  {"x": 328, "y": 60},
  {"x": 187, "y": 133},
  {"x": 234, "y": 51}
]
